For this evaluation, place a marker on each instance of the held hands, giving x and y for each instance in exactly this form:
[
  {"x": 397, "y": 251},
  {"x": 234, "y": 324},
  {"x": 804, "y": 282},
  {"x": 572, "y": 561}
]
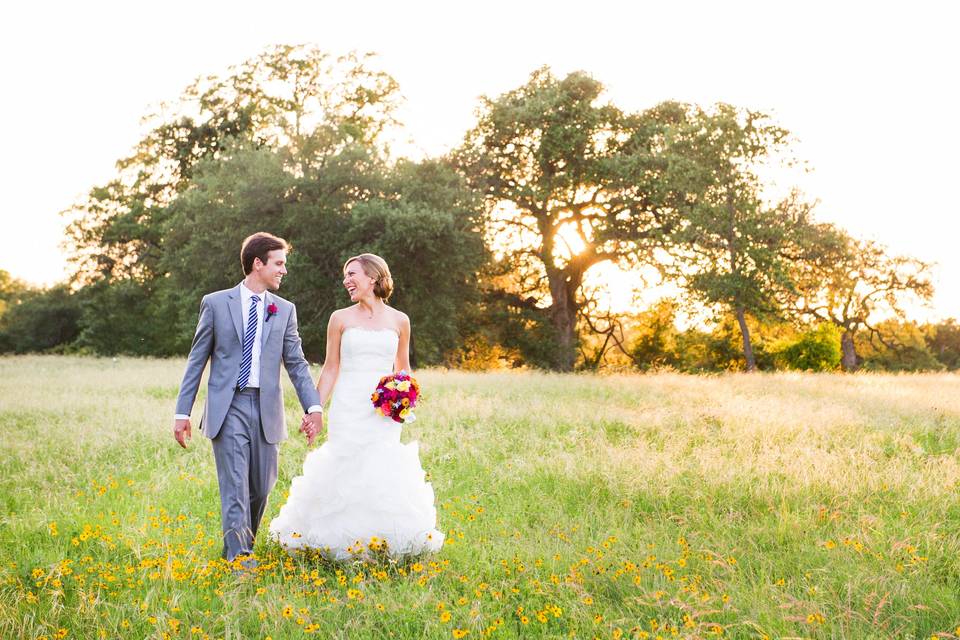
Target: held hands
[
  {"x": 181, "y": 431},
  {"x": 311, "y": 425}
]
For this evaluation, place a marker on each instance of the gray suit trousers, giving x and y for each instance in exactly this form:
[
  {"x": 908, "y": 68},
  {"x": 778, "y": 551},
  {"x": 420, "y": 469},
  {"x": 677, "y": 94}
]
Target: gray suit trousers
[{"x": 246, "y": 472}]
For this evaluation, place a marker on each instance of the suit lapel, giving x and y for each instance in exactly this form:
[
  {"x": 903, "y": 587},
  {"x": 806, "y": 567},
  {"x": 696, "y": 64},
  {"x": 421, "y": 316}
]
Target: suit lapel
[
  {"x": 236, "y": 312},
  {"x": 268, "y": 322}
]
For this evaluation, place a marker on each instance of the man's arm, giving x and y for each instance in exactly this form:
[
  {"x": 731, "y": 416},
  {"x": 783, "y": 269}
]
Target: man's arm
[
  {"x": 197, "y": 360},
  {"x": 298, "y": 368}
]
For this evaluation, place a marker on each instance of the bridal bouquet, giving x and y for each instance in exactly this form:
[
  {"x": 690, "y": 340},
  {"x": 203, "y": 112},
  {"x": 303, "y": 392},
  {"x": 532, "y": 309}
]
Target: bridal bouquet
[{"x": 396, "y": 396}]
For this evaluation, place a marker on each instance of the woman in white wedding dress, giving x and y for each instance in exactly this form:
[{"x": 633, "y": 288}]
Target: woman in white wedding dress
[{"x": 363, "y": 485}]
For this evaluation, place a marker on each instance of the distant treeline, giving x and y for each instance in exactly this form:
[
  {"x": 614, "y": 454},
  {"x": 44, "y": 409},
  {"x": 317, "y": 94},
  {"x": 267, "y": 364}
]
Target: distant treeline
[{"x": 490, "y": 244}]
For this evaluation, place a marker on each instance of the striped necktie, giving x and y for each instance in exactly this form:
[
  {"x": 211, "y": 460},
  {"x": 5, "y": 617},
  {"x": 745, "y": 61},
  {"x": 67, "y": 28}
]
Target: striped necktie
[{"x": 248, "y": 338}]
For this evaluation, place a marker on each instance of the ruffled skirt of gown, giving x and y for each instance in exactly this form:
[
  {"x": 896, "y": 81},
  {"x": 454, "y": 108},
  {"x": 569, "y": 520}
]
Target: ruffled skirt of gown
[{"x": 361, "y": 485}]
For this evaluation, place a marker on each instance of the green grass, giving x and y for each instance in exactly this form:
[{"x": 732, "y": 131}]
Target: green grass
[{"x": 741, "y": 506}]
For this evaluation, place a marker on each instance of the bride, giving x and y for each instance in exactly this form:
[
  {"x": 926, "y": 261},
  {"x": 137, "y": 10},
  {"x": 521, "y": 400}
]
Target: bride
[{"x": 362, "y": 487}]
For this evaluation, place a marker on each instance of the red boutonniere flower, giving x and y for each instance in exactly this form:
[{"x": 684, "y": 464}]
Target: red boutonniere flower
[{"x": 271, "y": 311}]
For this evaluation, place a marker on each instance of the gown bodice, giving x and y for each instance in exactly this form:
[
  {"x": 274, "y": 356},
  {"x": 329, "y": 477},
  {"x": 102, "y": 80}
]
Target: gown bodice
[
  {"x": 366, "y": 355},
  {"x": 368, "y": 351}
]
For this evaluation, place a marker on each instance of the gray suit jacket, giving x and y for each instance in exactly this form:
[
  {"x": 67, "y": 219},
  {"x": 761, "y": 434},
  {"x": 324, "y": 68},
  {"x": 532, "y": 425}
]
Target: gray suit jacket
[{"x": 219, "y": 338}]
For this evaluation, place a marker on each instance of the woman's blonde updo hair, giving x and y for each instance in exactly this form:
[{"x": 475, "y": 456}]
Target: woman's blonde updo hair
[{"x": 375, "y": 267}]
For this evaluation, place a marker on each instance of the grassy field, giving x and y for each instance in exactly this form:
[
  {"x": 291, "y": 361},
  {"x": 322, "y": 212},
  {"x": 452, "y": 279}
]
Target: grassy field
[{"x": 784, "y": 505}]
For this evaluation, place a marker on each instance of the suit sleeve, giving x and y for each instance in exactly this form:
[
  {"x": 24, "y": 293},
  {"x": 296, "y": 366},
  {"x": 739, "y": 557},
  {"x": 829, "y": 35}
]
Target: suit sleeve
[
  {"x": 197, "y": 360},
  {"x": 297, "y": 366}
]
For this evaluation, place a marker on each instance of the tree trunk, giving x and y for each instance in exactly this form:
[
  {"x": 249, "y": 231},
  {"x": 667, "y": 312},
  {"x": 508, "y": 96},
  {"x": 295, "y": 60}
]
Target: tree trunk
[
  {"x": 563, "y": 315},
  {"x": 563, "y": 283},
  {"x": 747, "y": 347},
  {"x": 849, "y": 361},
  {"x": 413, "y": 352}
]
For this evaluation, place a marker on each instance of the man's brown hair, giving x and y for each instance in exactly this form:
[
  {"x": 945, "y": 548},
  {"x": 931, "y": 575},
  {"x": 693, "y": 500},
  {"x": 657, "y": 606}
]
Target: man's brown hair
[{"x": 259, "y": 245}]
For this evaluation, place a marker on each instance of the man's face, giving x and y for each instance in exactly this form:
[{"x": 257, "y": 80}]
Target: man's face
[{"x": 271, "y": 273}]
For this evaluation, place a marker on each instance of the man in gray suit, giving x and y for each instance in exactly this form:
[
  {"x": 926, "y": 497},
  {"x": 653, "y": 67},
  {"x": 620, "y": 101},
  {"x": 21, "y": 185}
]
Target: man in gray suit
[{"x": 246, "y": 332}]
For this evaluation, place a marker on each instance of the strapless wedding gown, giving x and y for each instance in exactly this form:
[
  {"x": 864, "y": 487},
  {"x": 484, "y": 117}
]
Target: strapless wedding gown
[{"x": 362, "y": 483}]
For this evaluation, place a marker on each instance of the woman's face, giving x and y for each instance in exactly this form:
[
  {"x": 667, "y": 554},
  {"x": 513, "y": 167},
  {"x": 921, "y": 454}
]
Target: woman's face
[{"x": 355, "y": 280}]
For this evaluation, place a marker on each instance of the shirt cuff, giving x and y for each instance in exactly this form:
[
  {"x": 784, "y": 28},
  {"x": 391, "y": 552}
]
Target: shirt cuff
[
  {"x": 315, "y": 409},
  {"x": 181, "y": 416}
]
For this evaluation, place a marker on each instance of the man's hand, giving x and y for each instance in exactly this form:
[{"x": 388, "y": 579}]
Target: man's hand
[
  {"x": 311, "y": 425},
  {"x": 181, "y": 431}
]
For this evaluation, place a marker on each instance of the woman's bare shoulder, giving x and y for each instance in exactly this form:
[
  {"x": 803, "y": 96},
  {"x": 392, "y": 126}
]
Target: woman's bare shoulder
[
  {"x": 398, "y": 316},
  {"x": 339, "y": 317},
  {"x": 399, "y": 319}
]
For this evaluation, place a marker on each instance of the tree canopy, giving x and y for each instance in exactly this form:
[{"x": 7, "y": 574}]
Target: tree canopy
[
  {"x": 569, "y": 182},
  {"x": 490, "y": 246}
]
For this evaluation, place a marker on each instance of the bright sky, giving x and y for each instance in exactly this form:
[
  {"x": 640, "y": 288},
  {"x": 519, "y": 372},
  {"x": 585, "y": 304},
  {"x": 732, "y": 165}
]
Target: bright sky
[{"x": 868, "y": 88}]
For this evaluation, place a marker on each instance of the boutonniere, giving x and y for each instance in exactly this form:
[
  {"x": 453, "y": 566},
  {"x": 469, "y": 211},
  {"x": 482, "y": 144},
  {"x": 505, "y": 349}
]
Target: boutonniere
[{"x": 271, "y": 311}]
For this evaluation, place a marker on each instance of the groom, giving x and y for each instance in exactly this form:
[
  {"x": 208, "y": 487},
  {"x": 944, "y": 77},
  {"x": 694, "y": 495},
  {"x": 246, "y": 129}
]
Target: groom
[{"x": 246, "y": 332}]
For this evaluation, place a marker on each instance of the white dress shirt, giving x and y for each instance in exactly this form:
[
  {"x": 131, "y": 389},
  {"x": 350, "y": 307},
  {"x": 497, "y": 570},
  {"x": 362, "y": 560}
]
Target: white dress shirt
[{"x": 246, "y": 299}]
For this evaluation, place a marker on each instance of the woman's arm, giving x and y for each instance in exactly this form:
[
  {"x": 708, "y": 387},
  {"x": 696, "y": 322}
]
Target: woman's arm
[
  {"x": 331, "y": 363},
  {"x": 403, "y": 349}
]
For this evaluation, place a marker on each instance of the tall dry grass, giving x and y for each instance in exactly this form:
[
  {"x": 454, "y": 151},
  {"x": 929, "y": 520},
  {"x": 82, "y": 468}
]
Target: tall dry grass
[{"x": 770, "y": 505}]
